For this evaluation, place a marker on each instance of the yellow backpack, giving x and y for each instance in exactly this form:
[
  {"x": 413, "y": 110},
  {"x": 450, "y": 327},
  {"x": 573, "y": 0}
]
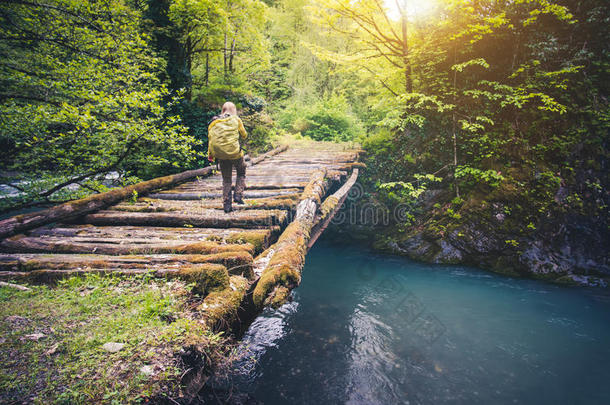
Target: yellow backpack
[{"x": 224, "y": 134}]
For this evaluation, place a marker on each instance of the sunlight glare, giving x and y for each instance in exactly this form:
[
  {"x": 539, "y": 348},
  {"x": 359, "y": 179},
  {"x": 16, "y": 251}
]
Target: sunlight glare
[{"x": 415, "y": 8}]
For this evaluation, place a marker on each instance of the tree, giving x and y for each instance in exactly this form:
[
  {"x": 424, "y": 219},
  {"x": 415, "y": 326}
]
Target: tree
[{"x": 81, "y": 97}]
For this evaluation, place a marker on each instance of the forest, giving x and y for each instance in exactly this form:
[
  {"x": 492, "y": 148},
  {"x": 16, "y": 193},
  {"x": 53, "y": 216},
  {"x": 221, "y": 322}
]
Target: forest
[
  {"x": 482, "y": 133},
  {"x": 473, "y": 98}
]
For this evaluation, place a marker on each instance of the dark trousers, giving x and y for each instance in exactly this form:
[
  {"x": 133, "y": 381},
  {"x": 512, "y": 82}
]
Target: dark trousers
[{"x": 226, "y": 168}]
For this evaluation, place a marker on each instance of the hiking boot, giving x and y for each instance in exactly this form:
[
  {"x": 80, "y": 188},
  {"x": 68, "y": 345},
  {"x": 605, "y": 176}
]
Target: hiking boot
[
  {"x": 227, "y": 208},
  {"x": 239, "y": 200}
]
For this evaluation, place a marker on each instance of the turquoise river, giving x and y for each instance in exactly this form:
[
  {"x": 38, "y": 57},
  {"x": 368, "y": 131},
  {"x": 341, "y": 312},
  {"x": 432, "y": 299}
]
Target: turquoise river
[{"x": 367, "y": 328}]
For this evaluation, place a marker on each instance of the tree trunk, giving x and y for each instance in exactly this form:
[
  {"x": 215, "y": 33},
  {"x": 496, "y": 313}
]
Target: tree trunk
[
  {"x": 207, "y": 69},
  {"x": 232, "y": 54},
  {"x": 455, "y": 161},
  {"x": 225, "y": 58},
  {"x": 405, "y": 50}
]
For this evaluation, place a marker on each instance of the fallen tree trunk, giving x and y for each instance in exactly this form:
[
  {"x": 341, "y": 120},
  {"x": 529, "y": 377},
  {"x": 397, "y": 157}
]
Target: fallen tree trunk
[
  {"x": 286, "y": 258},
  {"x": 72, "y": 209},
  {"x": 329, "y": 208}
]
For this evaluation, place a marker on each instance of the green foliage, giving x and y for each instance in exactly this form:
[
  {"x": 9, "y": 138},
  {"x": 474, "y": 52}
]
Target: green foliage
[
  {"x": 327, "y": 120},
  {"x": 403, "y": 197},
  {"x": 500, "y": 94},
  {"x": 471, "y": 176},
  {"x": 134, "y": 197},
  {"x": 82, "y": 97}
]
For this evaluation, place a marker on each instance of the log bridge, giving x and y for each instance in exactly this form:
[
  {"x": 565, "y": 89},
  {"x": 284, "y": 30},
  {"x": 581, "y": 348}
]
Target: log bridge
[{"x": 175, "y": 227}]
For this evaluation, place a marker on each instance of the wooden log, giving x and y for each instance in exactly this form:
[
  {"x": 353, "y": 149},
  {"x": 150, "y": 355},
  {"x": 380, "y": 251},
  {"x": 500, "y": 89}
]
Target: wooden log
[
  {"x": 172, "y": 195},
  {"x": 236, "y": 262},
  {"x": 220, "y": 308},
  {"x": 283, "y": 270},
  {"x": 264, "y": 156},
  {"x": 285, "y": 202},
  {"x": 14, "y": 286},
  {"x": 207, "y": 277},
  {"x": 218, "y": 219},
  {"x": 150, "y": 232},
  {"x": 211, "y": 187},
  {"x": 259, "y": 238},
  {"x": 72, "y": 209},
  {"x": 329, "y": 208},
  {"x": 22, "y": 243}
]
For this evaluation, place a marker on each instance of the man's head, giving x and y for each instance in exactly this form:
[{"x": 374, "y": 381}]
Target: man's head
[{"x": 229, "y": 108}]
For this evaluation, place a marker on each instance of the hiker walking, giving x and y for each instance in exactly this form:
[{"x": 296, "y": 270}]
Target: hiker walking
[{"x": 224, "y": 134}]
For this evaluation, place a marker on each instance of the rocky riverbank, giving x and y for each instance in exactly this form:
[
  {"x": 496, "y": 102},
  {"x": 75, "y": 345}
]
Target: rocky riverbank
[{"x": 495, "y": 231}]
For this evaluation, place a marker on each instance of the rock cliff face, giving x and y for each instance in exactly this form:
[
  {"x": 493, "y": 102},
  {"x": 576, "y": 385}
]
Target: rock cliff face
[
  {"x": 572, "y": 252},
  {"x": 494, "y": 232}
]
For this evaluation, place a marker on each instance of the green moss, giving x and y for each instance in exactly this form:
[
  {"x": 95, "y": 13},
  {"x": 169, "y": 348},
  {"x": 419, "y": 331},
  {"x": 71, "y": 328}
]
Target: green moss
[
  {"x": 206, "y": 277},
  {"x": 316, "y": 187},
  {"x": 328, "y": 206},
  {"x": 284, "y": 268},
  {"x": 206, "y": 247},
  {"x": 220, "y": 307},
  {"x": 278, "y": 297},
  {"x": 258, "y": 239}
]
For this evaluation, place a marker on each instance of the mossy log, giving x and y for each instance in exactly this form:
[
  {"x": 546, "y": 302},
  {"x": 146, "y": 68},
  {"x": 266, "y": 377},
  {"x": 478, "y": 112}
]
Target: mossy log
[
  {"x": 207, "y": 277},
  {"x": 262, "y": 184},
  {"x": 287, "y": 201},
  {"x": 113, "y": 246},
  {"x": 215, "y": 219},
  {"x": 284, "y": 266},
  {"x": 259, "y": 238},
  {"x": 329, "y": 208},
  {"x": 239, "y": 263},
  {"x": 73, "y": 209},
  {"x": 273, "y": 152},
  {"x": 220, "y": 307}
]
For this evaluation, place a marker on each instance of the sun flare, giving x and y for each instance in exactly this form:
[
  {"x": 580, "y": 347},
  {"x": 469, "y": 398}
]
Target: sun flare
[{"x": 415, "y": 8}]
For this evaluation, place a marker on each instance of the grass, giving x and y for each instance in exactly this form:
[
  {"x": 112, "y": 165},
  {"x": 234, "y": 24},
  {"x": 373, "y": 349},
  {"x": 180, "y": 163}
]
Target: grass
[{"x": 51, "y": 340}]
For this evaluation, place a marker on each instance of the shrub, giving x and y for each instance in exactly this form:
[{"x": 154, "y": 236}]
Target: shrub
[{"x": 328, "y": 120}]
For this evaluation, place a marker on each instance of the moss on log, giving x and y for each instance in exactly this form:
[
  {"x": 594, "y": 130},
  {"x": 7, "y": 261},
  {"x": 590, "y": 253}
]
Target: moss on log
[
  {"x": 24, "y": 244},
  {"x": 236, "y": 262},
  {"x": 207, "y": 277},
  {"x": 284, "y": 266},
  {"x": 220, "y": 307}
]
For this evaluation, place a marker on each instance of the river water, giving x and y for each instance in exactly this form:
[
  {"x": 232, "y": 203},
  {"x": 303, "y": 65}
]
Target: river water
[{"x": 366, "y": 328}]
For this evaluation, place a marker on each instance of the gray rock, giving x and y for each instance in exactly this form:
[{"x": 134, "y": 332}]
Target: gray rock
[
  {"x": 113, "y": 347},
  {"x": 147, "y": 370},
  {"x": 448, "y": 253},
  {"x": 415, "y": 247}
]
